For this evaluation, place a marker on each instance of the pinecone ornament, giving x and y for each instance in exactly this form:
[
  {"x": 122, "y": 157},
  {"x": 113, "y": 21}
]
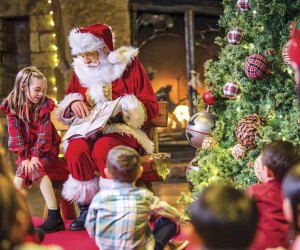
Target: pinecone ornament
[
  {"x": 246, "y": 130},
  {"x": 258, "y": 169},
  {"x": 238, "y": 151}
]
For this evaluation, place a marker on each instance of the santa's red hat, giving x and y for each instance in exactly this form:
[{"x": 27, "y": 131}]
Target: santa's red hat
[
  {"x": 90, "y": 38},
  {"x": 294, "y": 45}
]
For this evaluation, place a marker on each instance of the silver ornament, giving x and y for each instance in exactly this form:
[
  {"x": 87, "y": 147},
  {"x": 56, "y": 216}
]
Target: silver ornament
[{"x": 198, "y": 127}]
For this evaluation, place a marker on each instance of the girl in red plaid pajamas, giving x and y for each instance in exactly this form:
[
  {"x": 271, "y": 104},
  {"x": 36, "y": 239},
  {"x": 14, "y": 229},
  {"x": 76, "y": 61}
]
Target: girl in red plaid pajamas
[{"x": 33, "y": 137}]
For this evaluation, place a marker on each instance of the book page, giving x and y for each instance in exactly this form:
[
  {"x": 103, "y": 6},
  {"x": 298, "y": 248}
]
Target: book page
[{"x": 83, "y": 127}]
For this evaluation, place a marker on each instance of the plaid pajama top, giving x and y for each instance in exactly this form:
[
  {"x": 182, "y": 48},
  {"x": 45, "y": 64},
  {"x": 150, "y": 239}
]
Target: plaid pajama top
[
  {"x": 119, "y": 217},
  {"x": 38, "y": 138}
]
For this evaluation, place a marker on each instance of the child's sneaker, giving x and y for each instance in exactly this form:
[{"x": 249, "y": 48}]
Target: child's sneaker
[{"x": 176, "y": 245}]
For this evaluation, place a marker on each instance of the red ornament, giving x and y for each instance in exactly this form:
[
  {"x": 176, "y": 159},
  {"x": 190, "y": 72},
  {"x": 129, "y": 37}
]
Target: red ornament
[
  {"x": 243, "y": 5},
  {"x": 256, "y": 67},
  {"x": 230, "y": 90},
  {"x": 234, "y": 36},
  {"x": 208, "y": 98}
]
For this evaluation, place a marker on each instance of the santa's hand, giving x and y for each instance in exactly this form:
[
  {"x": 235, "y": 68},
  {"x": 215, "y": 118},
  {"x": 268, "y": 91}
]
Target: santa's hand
[{"x": 80, "y": 109}]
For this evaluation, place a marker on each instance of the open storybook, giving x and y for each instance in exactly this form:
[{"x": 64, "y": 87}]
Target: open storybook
[{"x": 97, "y": 119}]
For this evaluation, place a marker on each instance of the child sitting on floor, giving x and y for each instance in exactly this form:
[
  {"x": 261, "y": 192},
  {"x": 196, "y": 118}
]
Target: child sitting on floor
[
  {"x": 222, "y": 217},
  {"x": 276, "y": 160},
  {"x": 119, "y": 217}
]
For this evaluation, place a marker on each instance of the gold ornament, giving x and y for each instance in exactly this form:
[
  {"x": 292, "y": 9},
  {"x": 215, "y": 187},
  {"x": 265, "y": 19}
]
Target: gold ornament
[{"x": 209, "y": 142}]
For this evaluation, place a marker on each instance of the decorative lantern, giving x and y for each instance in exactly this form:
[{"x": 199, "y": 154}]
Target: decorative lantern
[
  {"x": 256, "y": 67},
  {"x": 234, "y": 36},
  {"x": 230, "y": 90},
  {"x": 199, "y": 127}
]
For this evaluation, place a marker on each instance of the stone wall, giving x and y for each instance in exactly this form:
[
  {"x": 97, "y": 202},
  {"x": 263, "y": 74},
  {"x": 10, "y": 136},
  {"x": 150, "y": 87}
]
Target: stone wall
[{"x": 49, "y": 24}]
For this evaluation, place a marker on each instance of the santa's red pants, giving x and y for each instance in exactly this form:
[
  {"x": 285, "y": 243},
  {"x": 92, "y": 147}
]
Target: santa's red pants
[{"x": 84, "y": 157}]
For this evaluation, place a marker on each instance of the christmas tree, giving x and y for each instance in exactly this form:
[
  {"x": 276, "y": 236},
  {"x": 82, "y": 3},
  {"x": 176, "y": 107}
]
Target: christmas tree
[{"x": 254, "y": 88}]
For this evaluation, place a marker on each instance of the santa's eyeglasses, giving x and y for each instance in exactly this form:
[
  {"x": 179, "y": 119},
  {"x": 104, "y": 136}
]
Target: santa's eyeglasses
[{"x": 89, "y": 55}]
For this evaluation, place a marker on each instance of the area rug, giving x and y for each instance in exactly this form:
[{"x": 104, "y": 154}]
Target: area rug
[{"x": 74, "y": 240}]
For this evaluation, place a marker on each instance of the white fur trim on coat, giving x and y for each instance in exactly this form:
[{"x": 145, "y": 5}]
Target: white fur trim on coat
[
  {"x": 123, "y": 55},
  {"x": 80, "y": 191},
  {"x": 84, "y": 42},
  {"x": 133, "y": 111},
  {"x": 64, "y": 104},
  {"x": 138, "y": 134}
]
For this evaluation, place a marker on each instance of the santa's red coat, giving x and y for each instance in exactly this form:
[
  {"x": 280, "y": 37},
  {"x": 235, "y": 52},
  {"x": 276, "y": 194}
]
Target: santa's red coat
[{"x": 86, "y": 156}]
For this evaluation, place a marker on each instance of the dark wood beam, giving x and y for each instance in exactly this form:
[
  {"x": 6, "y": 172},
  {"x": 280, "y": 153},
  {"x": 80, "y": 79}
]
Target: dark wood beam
[{"x": 212, "y": 8}]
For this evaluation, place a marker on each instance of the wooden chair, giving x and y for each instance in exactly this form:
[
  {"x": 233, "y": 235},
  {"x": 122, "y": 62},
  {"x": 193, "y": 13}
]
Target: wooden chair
[{"x": 59, "y": 171}]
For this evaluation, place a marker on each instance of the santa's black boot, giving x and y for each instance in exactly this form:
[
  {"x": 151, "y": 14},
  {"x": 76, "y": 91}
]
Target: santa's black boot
[
  {"x": 78, "y": 224},
  {"x": 53, "y": 223}
]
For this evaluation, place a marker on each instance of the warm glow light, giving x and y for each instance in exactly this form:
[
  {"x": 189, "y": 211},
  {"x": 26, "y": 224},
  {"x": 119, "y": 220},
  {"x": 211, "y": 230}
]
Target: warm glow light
[
  {"x": 54, "y": 35},
  {"x": 54, "y": 47},
  {"x": 52, "y": 23},
  {"x": 51, "y": 12},
  {"x": 254, "y": 12},
  {"x": 182, "y": 113},
  {"x": 49, "y": 1},
  {"x": 54, "y": 88}
]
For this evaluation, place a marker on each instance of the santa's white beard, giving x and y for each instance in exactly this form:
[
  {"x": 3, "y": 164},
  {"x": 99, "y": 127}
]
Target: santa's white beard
[{"x": 89, "y": 74}]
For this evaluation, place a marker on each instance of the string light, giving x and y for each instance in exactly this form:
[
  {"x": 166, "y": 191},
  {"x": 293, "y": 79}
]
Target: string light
[
  {"x": 254, "y": 12},
  {"x": 251, "y": 45},
  {"x": 54, "y": 57}
]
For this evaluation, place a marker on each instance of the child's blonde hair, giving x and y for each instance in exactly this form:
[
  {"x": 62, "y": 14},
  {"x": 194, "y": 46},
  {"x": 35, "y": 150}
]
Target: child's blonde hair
[{"x": 17, "y": 98}]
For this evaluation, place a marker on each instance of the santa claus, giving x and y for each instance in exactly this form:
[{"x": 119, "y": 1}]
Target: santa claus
[{"x": 103, "y": 74}]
